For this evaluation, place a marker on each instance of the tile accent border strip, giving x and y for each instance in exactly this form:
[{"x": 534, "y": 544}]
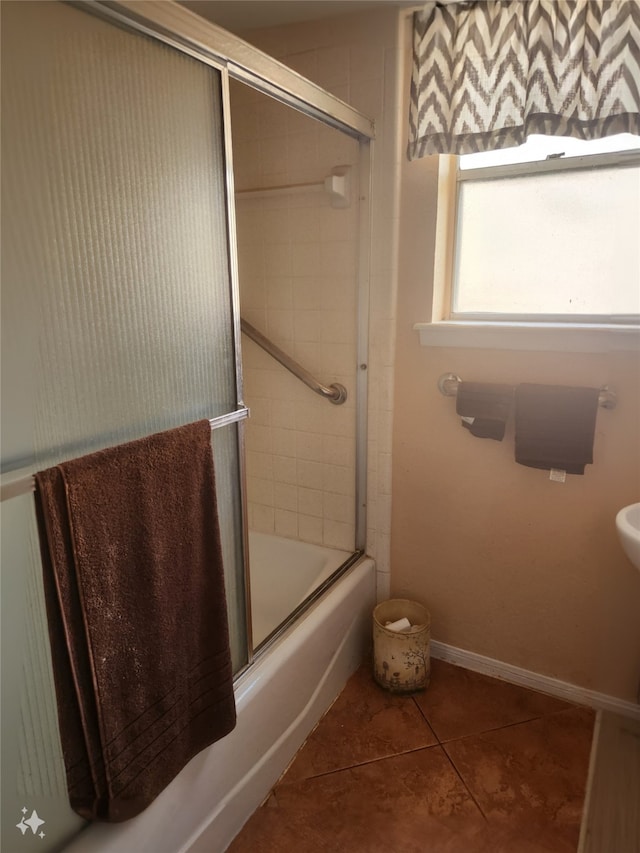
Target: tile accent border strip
[{"x": 533, "y": 680}]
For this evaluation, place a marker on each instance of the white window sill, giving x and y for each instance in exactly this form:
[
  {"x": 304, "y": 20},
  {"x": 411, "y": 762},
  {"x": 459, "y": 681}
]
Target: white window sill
[{"x": 553, "y": 337}]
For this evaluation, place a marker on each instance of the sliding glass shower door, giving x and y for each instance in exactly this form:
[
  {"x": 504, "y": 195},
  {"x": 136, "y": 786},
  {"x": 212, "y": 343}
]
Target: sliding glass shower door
[
  {"x": 298, "y": 212},
  {"x": 117, "y": 314}
]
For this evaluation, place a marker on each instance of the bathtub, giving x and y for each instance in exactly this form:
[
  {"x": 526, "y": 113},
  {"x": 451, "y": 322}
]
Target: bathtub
[
  {"x": 279, "y": 699},
  {"x": 283, "y": 573}
]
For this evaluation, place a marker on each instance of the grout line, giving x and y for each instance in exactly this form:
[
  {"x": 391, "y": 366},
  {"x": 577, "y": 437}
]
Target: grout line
[
  {"x": 482, "y": 732},
  {"x": 362, "y": 763},
  {"x": 426, "y": 719},
  {"x": 441, "y": 744},
  {"x": 469, "y": 791},
  {"x": 497, "y": 728}
]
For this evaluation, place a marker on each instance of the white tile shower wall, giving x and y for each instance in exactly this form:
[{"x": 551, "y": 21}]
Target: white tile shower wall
[
  {"x": 359, "y": 59},
  {"x": 297, "y": 264}
]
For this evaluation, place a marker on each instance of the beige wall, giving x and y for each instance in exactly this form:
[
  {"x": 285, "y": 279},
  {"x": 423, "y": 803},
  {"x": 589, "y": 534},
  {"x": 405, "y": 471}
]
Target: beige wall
[{"x": 511, "y": 565}]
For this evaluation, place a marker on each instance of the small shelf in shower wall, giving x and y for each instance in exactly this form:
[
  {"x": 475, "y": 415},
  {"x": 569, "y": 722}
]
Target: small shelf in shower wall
[{"x": 337, "y": 185}]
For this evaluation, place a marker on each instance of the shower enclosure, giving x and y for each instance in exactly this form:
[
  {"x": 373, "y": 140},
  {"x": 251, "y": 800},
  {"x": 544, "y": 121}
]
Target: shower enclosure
[{"x": 122, "y": 287}]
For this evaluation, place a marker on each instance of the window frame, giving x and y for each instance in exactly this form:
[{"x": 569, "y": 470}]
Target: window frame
[{"x": 450, "y": 180}]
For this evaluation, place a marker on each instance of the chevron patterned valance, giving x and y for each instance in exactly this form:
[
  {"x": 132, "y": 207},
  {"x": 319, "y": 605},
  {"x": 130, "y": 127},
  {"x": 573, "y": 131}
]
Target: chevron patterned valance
[{"x": 488, "y": 74}]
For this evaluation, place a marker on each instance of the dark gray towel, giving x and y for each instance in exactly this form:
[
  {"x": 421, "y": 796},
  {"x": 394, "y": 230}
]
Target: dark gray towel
[
  {"x": 489, "y": 404},
  {"x": 555, "y": 426},
  {"x": 137, "y": 616}
]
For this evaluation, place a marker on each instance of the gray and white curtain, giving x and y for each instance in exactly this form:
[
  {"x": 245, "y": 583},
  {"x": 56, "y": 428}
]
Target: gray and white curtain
[{"x": 488, "y": 74}]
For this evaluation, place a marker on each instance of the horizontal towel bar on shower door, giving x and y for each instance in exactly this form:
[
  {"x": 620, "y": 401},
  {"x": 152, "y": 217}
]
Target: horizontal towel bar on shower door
[
  {"x": 335, "y": 393},
  {"x": 15, "y": 484}
]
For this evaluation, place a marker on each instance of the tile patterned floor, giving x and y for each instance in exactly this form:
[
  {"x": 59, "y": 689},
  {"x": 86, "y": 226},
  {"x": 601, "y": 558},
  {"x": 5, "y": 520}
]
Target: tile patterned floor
[{"x": 472, "y": 765}]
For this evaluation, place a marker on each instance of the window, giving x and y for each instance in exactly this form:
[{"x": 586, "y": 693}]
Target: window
[{"x": 546, "y": 233}]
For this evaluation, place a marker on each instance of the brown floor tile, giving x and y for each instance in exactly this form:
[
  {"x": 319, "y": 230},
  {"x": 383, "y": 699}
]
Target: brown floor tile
[
  {"x": 365, "y": 723},
  {"x": 530, "y": 778},
  {"x": 459, "y": 702},
  {"x": 369, "y": 780},
  {"x": 410, "y": 803},
  {"x": 523, "y": 839}
]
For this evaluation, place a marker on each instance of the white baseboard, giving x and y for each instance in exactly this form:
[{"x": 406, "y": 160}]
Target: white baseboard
[{"x": 533, "y": 680}]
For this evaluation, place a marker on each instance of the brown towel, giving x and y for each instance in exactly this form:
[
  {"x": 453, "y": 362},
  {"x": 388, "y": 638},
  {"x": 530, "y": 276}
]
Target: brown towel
[
  {"x": 137, "y": 616},
  {"x": 555, "y": 426},
  {"x": 488, "y": 404}
]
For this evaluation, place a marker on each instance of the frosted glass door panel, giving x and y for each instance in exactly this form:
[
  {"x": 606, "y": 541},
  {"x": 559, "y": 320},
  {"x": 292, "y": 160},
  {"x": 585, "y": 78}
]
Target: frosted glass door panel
[
  {"x": 116, "y": 316},
  {"x": 33, "y": 774},
  {"x": 116, "y": 298}
]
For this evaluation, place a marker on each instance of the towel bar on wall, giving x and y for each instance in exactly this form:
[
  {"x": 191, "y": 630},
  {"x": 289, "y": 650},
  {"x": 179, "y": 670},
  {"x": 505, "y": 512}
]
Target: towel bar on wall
[
  {"x": 337, "y": 185},
  {"x": 448, "y": 385}
]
